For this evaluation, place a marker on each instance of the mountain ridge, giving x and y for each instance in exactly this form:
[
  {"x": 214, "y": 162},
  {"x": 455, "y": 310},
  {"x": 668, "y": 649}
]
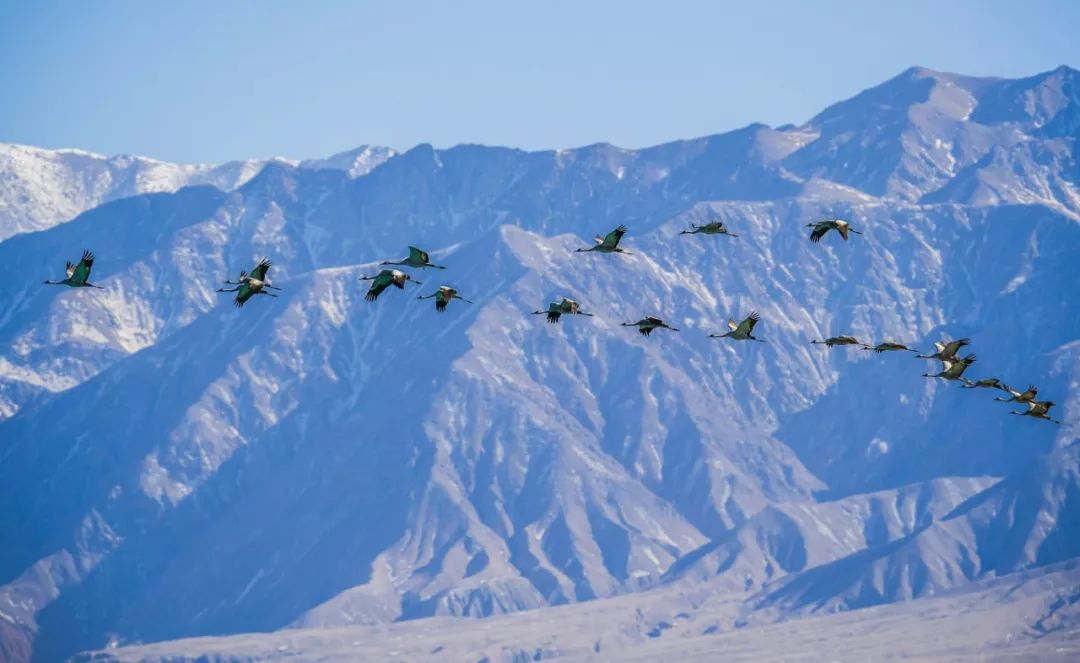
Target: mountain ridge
[{"x": 479, "y": 461}]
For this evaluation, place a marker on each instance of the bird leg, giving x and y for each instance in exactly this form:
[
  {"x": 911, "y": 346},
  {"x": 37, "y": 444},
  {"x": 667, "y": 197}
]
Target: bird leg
[{"x": 462, "y": 299}]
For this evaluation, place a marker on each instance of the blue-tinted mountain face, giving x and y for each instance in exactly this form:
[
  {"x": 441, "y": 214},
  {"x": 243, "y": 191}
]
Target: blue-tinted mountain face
[{"x": 172, "y": 466}]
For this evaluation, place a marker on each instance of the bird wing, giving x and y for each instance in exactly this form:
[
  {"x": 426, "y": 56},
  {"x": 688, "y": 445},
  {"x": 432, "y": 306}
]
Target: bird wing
[
  {"x": 70, "y": 269},
  {"x": 611, "y": 240},
  {"x": 652, "y": 321},
  {"x": 732, "y": 325},
  {"x": 418, "y": 255},
  {"x": 82, "y": 270},
  {"x": 747, "y": 325},
  {"x": 259, "y": 271},
  {"x": 953, "y": 346},
  {"x": 1029, "y": 394},
  {"x": 818, "y": 232},
  {"x": 843, "y": 228}
]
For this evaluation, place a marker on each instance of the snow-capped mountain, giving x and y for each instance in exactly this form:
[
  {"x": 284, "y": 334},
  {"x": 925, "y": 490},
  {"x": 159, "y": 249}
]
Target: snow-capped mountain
[
  {"x": 319, "y": 460},
  {"x": 40, "y": 188}
]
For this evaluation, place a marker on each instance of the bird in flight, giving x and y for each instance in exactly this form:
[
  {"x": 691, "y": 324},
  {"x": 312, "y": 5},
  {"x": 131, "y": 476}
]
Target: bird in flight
[
  {"x": 78, "y": 275},
  {"x": 385, "y": 279},
  {"x": 647, "y": 324},
  {"x": 1026, "y": 396},
  {"x": 741, "y": 331},
  {"x": 443, "y": 296},
  {"x": 608, "y": 243},
  {"x": 953, "y": 369},
  {"x": 249, "y": 285},
  {"x": 945, "y": 350},
  {"x": 417, "y": 258},
  {"x": 564, "y": 306},
  {"x": 1039, "y": 410},
  {"x": 887, "y": 346},
  {"x": 820, "y": 228},
  {"x": 840, "y": 340},
  {"x": 711, "y": 228},
  {"x": 985, "y": 383}
]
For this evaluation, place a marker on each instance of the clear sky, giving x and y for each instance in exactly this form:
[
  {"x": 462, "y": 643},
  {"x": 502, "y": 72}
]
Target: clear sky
[{"x": 210, "y": 80}]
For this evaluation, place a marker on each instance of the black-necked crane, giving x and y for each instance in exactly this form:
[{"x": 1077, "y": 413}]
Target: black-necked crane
[
  {"x": 443, "y": 296},
  {"x": 1038, "y": 410},
  {"x": 557, "y": 309},
  {"x": 251, "y": 284},
  {"x": 647, "y": 324},
  {"x": 711, "y": 228},
  {"x": 984, "y": 383},
  {"x": 741, "y": 331},
  {"x": 820, "y": 228},
  {"x": 608, "y": 243},
  {"x": 1026, "y": 396},
  {"x": 953, "y": 369},
  {"x": 384, "y": 280},
  {"x": 839, "y": 340},
  {"x": 946, "y": 349},
  {"x": 888, "y": 346},
  {"x": 417, "y": 258},
  {"x": 78, "y": 275}
]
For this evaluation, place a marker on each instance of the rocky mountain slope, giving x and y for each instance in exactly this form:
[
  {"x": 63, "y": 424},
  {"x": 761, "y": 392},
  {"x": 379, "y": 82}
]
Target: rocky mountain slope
[{"x": 318, "y": 460}]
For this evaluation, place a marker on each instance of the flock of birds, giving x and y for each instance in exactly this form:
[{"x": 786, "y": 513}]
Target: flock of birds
[{"x": 255, "y": 282}]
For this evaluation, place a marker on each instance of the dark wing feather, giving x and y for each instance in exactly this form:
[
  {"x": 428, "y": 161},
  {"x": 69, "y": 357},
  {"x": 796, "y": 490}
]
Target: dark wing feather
[
  {"x": 747, "y": 325},
  {"x": 818, "y": 232},
  {"x": 82, "y": 270},
  {"x": 259, "y": 273}
]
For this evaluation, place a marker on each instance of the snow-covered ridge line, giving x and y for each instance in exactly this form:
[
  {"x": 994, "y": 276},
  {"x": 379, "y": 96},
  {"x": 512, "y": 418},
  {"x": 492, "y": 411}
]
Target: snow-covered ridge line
[{"x": 40, "y": 188}]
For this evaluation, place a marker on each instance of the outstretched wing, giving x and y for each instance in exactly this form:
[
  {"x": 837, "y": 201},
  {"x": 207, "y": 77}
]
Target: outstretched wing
[
  {"x": 843, "y": 228},
  {"x": 818, "y": 232},
  {"x": 653, "y": 321},
  {"x": 732, "y": 325},
  {"x": 259, "y": 272},
  {"x": 1029, "y": 394},
  {"x": 747, "y": 325},
  {"x": 418, "y": 255},
  {"x": 70, "y": 269},
  {"x": 82, "y": 270},
  {"x": 611, "y": 240},
  {"x": 952, "y": 347}
]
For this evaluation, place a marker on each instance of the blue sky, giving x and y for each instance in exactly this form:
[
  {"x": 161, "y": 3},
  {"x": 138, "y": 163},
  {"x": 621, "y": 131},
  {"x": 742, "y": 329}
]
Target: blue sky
[{"x": 202, "y": 81}]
